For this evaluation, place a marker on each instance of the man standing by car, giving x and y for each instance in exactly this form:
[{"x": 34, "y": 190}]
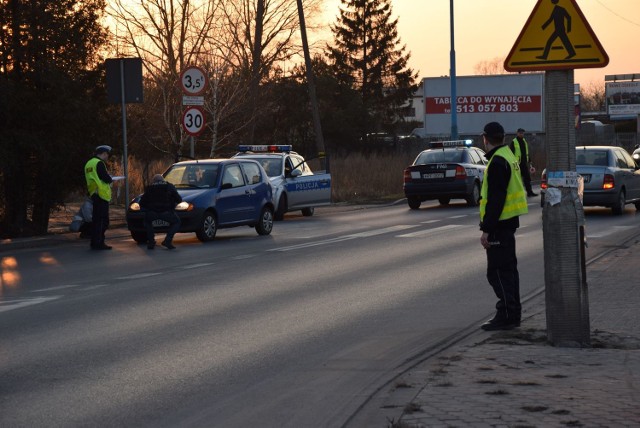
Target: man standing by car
[
  {"x": 159, "y": 202},
  {"x": 502, "y": 201},
  {"x": 99, "y": 189},
  {"x": 520, "y": 148}
]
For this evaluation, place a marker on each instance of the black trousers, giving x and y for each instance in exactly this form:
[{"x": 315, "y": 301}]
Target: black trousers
[
  {"x": 502, "y": 274},
  {"x": 169, "y": 216},
  {"x": 99, "y": 220},
  {"x": 526, "y": 178}
]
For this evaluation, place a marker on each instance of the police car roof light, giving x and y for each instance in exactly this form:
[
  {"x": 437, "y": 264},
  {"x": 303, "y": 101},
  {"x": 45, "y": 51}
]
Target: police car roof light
[
  {"x": 266, "y": 148},
  {"x": 454, "y": 143}
]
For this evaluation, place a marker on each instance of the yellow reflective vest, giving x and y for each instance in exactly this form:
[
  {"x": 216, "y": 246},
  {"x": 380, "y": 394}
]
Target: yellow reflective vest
[
  {"x": 516, "y": 201},
  {"x": 94, "y": 184},
  {"x": 518, "y": 153}
]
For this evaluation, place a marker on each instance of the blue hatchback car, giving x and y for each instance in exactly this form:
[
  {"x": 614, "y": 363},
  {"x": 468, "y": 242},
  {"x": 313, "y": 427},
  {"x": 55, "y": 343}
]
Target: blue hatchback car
[{"x": 216, "y": 193}]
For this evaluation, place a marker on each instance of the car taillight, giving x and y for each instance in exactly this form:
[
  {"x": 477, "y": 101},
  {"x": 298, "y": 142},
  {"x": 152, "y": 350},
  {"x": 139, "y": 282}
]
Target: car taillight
[
  {"x": 407, "y": 175},
  {"x": 608, "y": 182},
  {"x": 461, "y": 173},
  {"x": 543, "y": 181}
]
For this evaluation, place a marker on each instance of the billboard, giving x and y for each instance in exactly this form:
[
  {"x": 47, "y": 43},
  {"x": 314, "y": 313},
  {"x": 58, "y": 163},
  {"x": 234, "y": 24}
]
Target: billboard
[
  {"x": 514, "y": 100},
  {"x": 623, "y": 98}
]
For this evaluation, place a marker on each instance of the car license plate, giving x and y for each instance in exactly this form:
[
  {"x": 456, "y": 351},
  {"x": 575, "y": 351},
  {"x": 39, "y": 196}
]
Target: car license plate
[
  {"x": 160, "y": 223},
  {"x": 433, "y": 175}
]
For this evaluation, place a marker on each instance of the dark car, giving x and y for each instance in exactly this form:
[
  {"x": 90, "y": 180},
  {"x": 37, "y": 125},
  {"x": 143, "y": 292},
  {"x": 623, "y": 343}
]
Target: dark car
[
  {"x": 448, "y": 170},
  {"x": 611, "y": 177},
  {"x": 216, "y": 193}
]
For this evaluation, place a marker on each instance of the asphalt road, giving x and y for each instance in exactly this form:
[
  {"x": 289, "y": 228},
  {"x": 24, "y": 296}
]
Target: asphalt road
[{"x": 294, "y": 329}]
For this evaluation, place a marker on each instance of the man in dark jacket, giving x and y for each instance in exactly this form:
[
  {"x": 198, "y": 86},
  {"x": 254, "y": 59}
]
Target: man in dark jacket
[
  {"x": 520, "y": 148},
  {"x": 159, "y": 202},
  {"x": 502, "y": 201}
]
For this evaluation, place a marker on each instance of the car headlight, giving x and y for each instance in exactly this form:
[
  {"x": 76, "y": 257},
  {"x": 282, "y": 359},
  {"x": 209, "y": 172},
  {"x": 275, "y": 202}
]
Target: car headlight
[
  {"x": 184, "y": 206},
  {"x": 134, "y": 206}
]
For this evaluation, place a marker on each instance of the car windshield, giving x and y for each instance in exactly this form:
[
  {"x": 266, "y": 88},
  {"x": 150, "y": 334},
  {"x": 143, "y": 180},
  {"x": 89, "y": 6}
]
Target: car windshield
[
  {"x": 273, "y": 166},
  {"x": 193, "y": 175},
  {"x": 591, "y": 157},
  {"x": 438, "y": 156}
]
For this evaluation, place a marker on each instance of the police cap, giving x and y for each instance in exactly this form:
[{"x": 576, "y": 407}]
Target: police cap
[{"x": 102, "y": 149}]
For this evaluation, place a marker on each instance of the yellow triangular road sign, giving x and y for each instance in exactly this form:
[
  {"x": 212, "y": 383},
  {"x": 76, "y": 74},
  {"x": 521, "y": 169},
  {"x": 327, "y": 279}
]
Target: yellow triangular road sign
[{"x": 556, "y": 36}]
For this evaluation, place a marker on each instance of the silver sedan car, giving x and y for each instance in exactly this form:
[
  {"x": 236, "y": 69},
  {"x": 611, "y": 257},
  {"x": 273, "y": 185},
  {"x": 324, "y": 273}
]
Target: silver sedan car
[{"x": 611, "y": 177}]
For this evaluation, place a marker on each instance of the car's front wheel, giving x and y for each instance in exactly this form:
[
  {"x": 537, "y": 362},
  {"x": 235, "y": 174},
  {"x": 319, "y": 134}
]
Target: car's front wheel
[
  {"x": 414, "y": 203},
  {"x": 618, "y": 207},
  {"x": 474, "y": 197},
  {"x": 139, "y": 237},
  {"x": 444, "y": 201},
  {"x": 265, "y": 222},
  {"x": 307, "y": 212},
  {"x": 208, "y": 227}
]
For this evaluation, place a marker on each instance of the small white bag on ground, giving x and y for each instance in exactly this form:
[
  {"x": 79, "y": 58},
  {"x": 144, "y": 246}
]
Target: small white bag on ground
[{"x": 83, "y": 215}]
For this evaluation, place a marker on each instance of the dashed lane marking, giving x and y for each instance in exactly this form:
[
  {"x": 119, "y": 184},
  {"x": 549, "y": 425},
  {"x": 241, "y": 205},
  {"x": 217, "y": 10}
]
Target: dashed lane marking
[
  {"x": 21, "y": 303},
  {"x": 430, "y": 231}
]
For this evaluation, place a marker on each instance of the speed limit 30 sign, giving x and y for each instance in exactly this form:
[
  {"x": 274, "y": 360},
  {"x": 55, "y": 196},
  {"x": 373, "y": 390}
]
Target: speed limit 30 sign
[{"x": 193, "y": 120}]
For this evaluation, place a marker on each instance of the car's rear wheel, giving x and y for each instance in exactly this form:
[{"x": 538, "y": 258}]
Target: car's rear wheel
[
  {"x": 208, "y": 227},
  {"x": 474, "y": 198},
  {"x": 282, "y": 208},
  {"x": 414, "y": 203},
  {"x": 307, "y": 212},
  {"x": 139, "y": 237},
  {"x": 265, "y": 222},
  {"x": 637, "y": 204},
  {"x": 444, "y": 201},
  {"x": 618, "y": 207}
]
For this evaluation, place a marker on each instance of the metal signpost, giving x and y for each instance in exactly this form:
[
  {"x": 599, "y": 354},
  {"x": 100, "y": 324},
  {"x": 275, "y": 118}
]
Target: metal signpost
[{"x": 557, "y": 39}]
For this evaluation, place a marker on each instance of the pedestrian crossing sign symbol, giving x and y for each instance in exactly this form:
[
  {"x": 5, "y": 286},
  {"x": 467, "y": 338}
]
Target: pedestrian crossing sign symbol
[{"x": 556, "y": 36}]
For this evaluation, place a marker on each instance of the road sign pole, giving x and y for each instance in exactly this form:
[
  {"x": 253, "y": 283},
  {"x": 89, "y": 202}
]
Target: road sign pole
[
  {"x": 125, "y": 163},
  {"x": 567, "y": 305}
]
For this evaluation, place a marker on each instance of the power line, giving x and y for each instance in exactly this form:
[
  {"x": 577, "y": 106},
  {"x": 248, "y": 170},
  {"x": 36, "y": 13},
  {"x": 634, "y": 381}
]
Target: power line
[{"x": 618, "y": 15}]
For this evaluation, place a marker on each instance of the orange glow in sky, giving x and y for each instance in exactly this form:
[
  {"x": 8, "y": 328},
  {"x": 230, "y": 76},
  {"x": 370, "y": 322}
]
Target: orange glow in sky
[{"x": 487, "y": 29}]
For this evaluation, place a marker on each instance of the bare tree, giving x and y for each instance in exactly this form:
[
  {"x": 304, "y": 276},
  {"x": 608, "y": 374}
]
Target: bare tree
[
  {"x": 489, "y": 67},
  {"x": 168, "y": 35},
  {"x": 263, "y": 32},
  {"x": 592, "y": 97}
]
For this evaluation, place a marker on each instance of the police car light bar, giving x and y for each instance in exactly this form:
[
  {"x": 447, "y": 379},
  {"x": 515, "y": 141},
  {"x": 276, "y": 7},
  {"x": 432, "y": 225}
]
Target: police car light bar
[
  {"x": 266, "y": 148},
  {"x": 455, "y": 143}
]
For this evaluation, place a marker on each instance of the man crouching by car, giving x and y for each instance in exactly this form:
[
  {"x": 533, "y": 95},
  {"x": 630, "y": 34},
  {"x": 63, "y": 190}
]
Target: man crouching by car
[{"x": 159, "y": 202}]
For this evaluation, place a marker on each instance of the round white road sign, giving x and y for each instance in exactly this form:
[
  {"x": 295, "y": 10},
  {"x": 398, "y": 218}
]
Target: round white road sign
[
  {"x": 193, "y": 80},
  {"x": 193, "y": 120}
]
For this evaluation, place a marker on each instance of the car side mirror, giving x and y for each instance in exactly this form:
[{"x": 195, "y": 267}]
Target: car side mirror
[
  {"x": 226, "y": 186},
  {"x": 296, "y": 173}
]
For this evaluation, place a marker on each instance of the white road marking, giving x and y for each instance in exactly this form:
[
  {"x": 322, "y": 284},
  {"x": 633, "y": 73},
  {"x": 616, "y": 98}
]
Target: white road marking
[
  {"x": 430, "y": 231},
  {"x": 196, "y": 265},
  {"x": 139, "y": 275},
  {"x": 429, "y": 221},
  {"x": 60, "y": 287},
  {"x": 459, "y": 216},
  {"x": 21, "y": 303},
  {"x": 244, "y": 256},
  {"x": 347, "y": 237}
]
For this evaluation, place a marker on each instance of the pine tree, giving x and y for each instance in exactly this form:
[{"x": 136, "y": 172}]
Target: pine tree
[{"x": 367, "y": 55}]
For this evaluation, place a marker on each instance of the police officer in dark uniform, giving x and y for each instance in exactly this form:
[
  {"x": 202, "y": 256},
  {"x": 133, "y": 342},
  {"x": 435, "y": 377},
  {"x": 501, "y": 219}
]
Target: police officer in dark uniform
[
  {"x": 502, "y": 201},
  {"x": 159, "y": 202},
  {"x": 99, "y": 189},
  {"x": 520, "y": 148}
]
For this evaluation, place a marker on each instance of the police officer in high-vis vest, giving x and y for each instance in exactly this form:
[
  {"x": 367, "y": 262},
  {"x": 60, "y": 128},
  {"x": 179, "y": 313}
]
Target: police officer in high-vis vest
[
  {"x": 502, "y": 201},
  {"x": 99, "y": 188},
  {"x": 520, "y": 148}
]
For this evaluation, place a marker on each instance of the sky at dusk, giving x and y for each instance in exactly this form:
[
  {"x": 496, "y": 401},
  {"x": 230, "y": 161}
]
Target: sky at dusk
[{"x": 487, "y": 29}]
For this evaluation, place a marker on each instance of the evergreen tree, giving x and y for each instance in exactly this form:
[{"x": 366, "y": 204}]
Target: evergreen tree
[
  {"x": 367, "y": 55},
  {"x": 50, "y": 115}
]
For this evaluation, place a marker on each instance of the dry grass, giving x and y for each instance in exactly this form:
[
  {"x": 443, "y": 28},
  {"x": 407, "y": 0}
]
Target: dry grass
[{"x": 376, "y": 177}]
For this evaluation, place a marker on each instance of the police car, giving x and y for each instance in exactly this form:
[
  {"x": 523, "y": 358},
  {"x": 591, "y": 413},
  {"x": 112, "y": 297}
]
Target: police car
[
  {"x": 448, "y": 170},
  {"x": 295, "y": 186}
]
